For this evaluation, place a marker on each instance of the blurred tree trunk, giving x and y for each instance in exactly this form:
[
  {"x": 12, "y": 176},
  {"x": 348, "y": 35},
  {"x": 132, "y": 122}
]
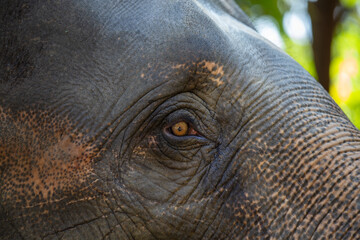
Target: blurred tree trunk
[{"x": 324, "y": 16}]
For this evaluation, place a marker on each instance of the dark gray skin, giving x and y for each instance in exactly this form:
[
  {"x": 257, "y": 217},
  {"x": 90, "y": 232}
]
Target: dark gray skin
[{"x": 89, "y": 91}]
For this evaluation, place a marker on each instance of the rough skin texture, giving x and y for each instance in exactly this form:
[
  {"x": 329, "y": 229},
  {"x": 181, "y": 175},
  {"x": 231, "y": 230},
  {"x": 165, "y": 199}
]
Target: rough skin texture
[{"x": 89, "y": 91}]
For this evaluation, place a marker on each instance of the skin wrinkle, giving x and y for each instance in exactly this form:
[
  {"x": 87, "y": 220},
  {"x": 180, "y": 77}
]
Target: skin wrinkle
[
  {"x": 258, "y": 99},
  {"x": 242, "y": 91},
  {"x": 352, "y": 221},
  {"x": 115, "y": 134},
  {"x": 203, "y": 103},
  {"x": 146, "y": 223},
  {"x": 182, "y": 218},
  {"x": 226, "y": 75},
  {"x": 189, "y": 196},
  {"x": 73, "y": 226},
  {"x": 96, "y": 92},
  {"x": 327, "y": 213},
  {"x": 56, "y": 232},
  {"x": 12, "y": 225},
  {"x": 113, "y": 214},
  {"x": 121, "y": 208},
  {"x": 134, "y": 102},
  {"x": 128, "y": 217},
  {"x": 141, "y": 124},
  {"x": 201, "y": 220},
  {"x": 320, "y": 172},
  {"x": 160, "y": 186},
  {"x": 99, "y": 228},
  {"x": 217, "y": 229},
  {"x": 255, "y": 97},
  {"x": 328, "y": 148},
  {"x": 318, "y": 200},
  {"x": 271, "y": 113},
  {"x": 232, "y": 157},
  {"x": 355, "y": 197},
  {"x": 319, "y": 188},
  {"x": 297, "y": 145},
  {"x": 186, "y": 198},
  {"x": 117, "y": 121},
  {"x": 212, "y": 221},
  {"x": 239, "y": 131},
  {"x": 226, "y": 169},
  {"x": 247, "y": 231},
  {"x": 268, "y": 110},
  {"x": 355, "y": 234},
  {"x": 60, "y": 105},
  {"x": 117, "y": 220},
  {"x": 226, "y": 192},
  {"x": 278, "y": 123},
  {"x": 132, "y": 200},
  {"x": 171, "y": 167},
  {"x": 161, "y": 163},
  {"x": 283, "y": 200}
]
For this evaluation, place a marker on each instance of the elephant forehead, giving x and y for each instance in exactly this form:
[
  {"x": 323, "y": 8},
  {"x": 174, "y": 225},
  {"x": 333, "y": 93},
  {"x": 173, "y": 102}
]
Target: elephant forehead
[{"x": 41, "y": 156}]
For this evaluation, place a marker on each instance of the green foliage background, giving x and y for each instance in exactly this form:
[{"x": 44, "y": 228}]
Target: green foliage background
[{"x": 345, "y": 52}]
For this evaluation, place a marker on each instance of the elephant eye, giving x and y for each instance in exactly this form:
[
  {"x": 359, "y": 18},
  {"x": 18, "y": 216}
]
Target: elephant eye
[{"x": 181, "y": 129}]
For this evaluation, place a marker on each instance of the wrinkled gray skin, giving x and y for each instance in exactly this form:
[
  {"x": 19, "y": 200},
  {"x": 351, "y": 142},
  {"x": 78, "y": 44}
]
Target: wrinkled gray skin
[{"x": 89, "y": 91}]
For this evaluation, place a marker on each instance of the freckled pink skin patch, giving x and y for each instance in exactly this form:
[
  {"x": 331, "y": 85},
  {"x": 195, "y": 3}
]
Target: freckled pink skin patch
[{"x": 43, "y": 158}]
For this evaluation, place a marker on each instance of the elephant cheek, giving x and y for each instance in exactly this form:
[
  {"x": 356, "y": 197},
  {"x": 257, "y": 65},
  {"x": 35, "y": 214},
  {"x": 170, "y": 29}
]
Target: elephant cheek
[{"x": 43, "y": 158}]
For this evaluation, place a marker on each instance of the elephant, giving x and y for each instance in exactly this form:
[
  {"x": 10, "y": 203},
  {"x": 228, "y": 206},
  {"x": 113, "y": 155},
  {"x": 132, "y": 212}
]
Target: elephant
[{"x": 165, "y": 120}]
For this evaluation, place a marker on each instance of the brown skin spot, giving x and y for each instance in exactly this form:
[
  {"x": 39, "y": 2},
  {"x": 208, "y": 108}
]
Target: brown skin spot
[
  {"x": 42, "y": 158},
  {"x": 179, "y": 66},
  {"x": 213, "y": 68},
  {"x": 216, "y": 71},
  {"x": 205, "y": 73}
]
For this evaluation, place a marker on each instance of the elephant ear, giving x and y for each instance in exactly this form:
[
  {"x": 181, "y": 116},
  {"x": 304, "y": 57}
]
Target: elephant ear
[{"x": 235, "y": 11}]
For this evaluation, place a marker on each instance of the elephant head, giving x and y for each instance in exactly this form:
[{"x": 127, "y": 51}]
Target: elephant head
[{"x": 165, "y": 120}]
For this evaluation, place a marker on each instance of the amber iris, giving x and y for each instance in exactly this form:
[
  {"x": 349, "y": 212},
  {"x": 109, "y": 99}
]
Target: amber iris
[{"x": 180, "y": 129}]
